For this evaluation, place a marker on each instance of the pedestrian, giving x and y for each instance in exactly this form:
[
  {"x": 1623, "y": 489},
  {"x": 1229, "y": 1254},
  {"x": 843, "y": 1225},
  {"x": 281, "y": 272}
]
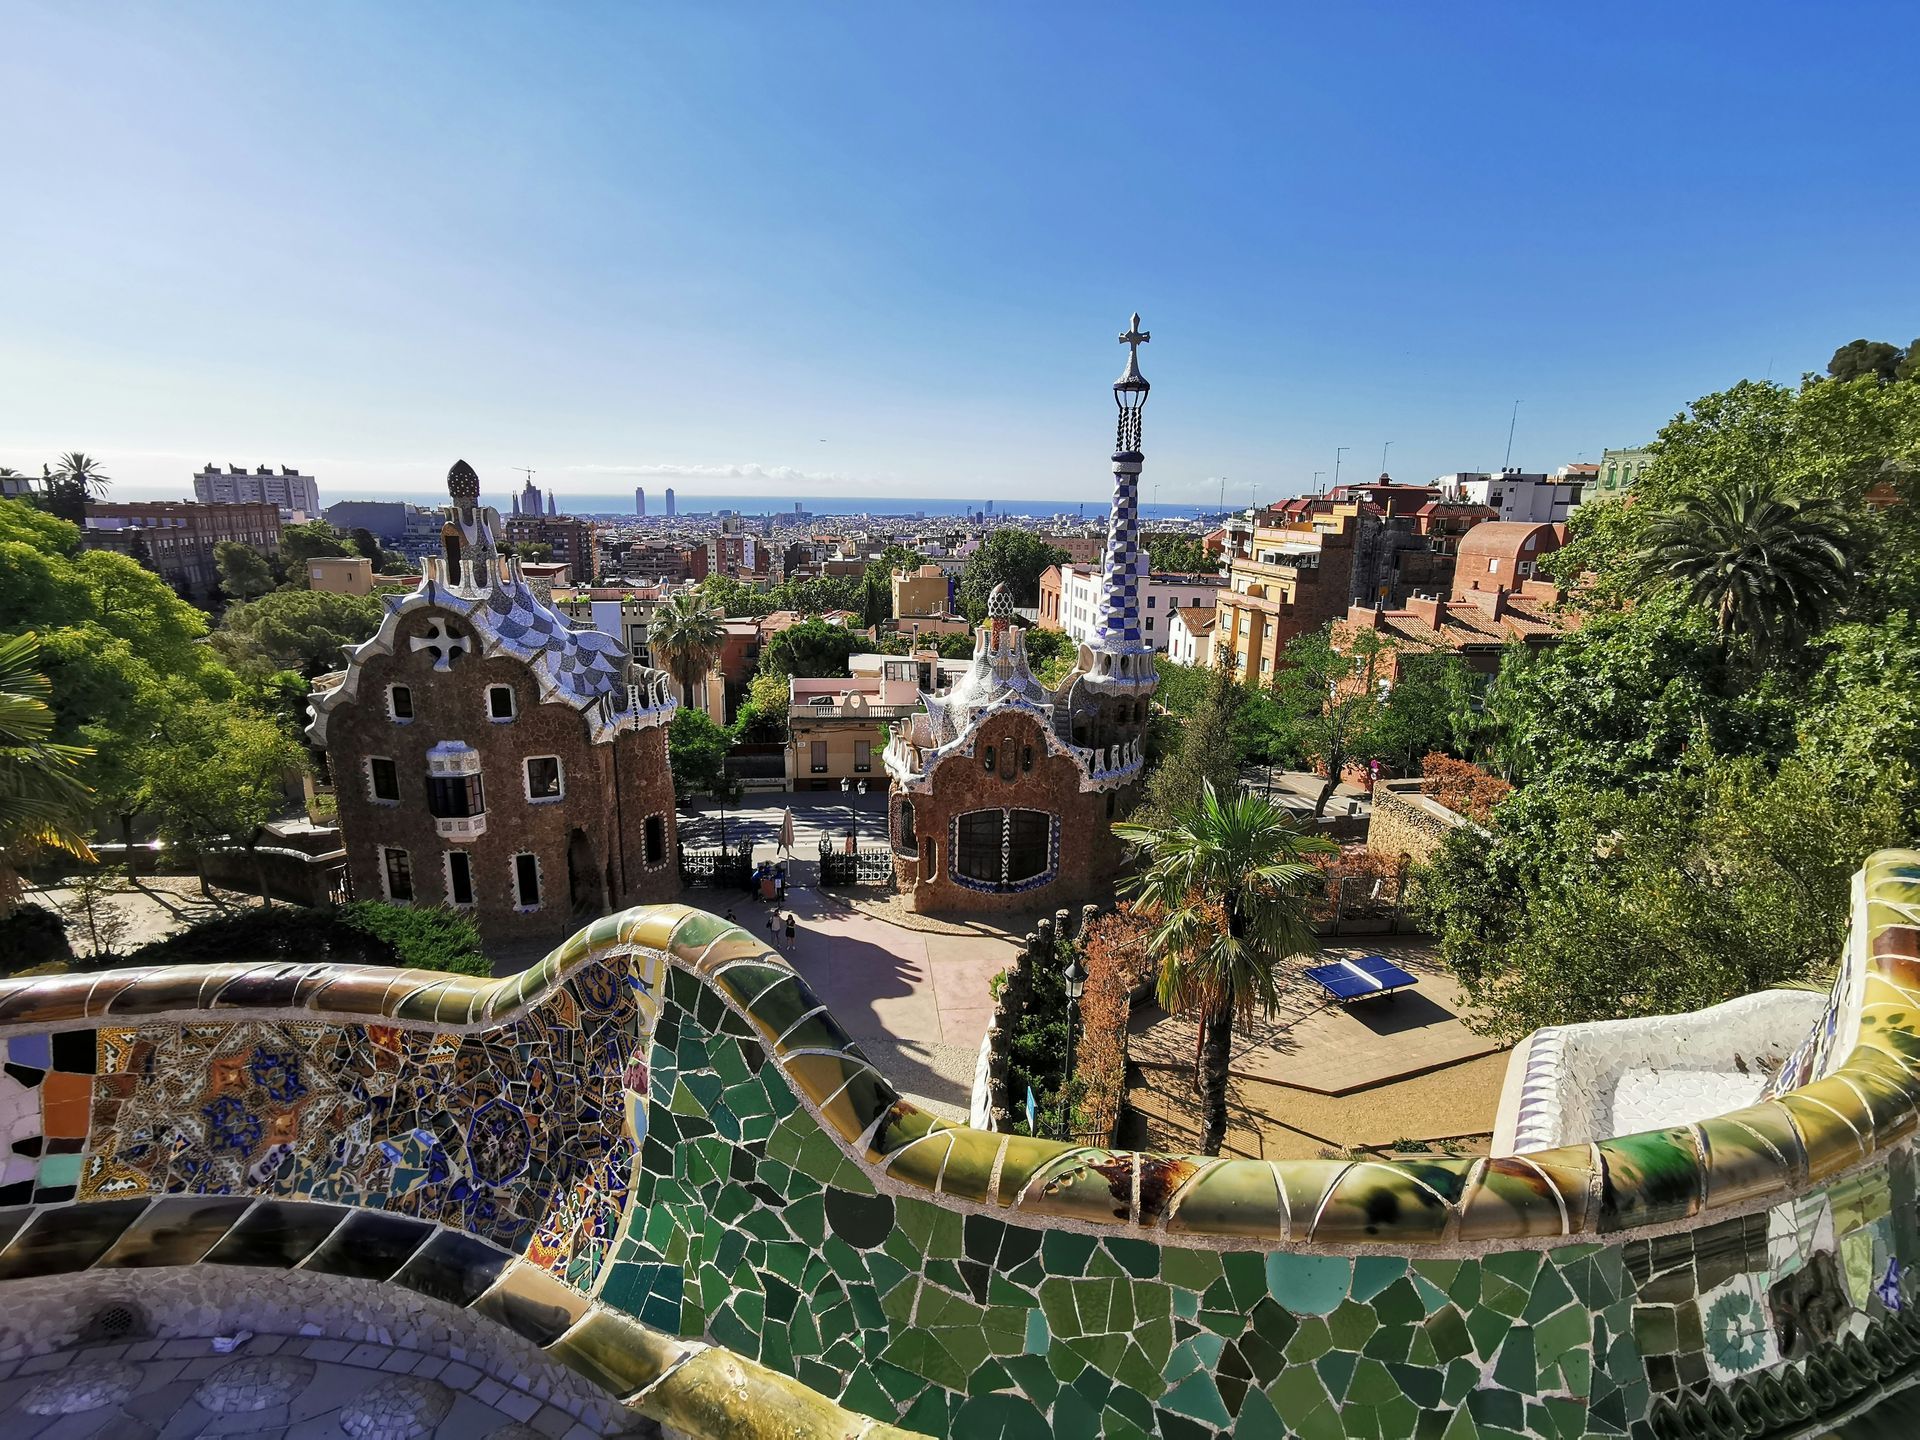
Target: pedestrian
[
  {"x": 789, "y": 927},
  {"x": 773, "y": 926}
]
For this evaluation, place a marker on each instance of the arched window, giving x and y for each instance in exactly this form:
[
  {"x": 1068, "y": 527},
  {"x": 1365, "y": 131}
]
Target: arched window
[
  {"x": 997, "y": 850},
  {"x": 986, "y": 762},
  {"x": 905, "y": 841}
]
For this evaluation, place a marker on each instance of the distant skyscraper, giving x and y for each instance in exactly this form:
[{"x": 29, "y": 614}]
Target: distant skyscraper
[
  {"x": 669, "y": 502},
  {"x": 640, "y": 501},
  {"x": 552, "y": 509}
]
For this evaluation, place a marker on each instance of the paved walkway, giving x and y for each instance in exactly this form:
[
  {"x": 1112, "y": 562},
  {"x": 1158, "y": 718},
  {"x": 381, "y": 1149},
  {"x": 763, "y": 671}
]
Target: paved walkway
[{"x": 276, "y": 1386}]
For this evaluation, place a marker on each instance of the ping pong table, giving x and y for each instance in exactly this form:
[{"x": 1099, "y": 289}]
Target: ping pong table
[{"x": 1350, "y": 980}]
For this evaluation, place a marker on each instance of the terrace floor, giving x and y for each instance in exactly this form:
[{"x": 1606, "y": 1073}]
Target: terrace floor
[{"x": 1319, "y": 1076}]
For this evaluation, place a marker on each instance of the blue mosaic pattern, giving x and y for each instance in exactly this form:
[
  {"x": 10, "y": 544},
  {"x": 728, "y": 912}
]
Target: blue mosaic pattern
[{"x": 1119, "y": 631}]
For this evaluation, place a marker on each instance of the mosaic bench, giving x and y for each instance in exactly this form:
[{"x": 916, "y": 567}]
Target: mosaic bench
[{"x": 657, "y": 1157}]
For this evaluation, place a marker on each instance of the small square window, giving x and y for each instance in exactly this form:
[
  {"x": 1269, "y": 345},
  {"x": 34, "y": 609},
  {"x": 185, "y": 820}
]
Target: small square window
[
  {"x": 400, "y": 702},
  {"x": 1152, "y": 601},
  {"x": 543, "y": 778},
  {"x": 500, "y": 702},
  {"x": 384, "y": 778}
]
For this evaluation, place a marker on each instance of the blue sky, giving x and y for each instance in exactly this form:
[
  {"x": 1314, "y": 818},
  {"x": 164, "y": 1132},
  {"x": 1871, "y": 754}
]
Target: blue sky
[{"x": 846, "y": 249}]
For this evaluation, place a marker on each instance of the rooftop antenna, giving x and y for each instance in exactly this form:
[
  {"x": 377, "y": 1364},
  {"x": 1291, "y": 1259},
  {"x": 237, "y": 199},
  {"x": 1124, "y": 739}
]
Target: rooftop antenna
[
  {"x": 1338, "y": 451},
  {"x": 1316, "y": 481},
  {"x": 1383, "y": 456},
  {"x": 1507, "y": 464}
]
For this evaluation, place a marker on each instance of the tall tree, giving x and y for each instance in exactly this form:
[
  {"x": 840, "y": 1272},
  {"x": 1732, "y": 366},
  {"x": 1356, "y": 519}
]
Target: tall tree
[
  {"x": 1330, "y": 700},
  {"x": 1014, "y": 558},
  {"x": 812, "y": 649},
  {"x": 244, "y": 572},
  {"x": 304, "y": 630},
  {"x": 1206, "y": 752},
  {"x": 311, "y": 540},
  {"x": 1771, "y": 567},
  {"x": 1180, "y": 554},
  {"x": 43, "y": 803},
  {"x": 1226, "y": 887},
  {"x": 213, "y": 774},
  {"x": 1860, "y": 358},
  {"x": 74, "y": 479},
  {"x": 686, "y": 637}
]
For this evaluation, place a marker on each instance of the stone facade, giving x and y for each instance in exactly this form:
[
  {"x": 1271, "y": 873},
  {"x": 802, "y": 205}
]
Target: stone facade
[
  {"x": 1025, "y": 774},
  {"x": 488, "y": 756}
]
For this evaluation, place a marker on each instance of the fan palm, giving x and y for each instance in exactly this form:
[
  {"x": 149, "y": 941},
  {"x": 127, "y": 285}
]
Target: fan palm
[
  {"x": 1227, "y": 884},
  {"x": 42, "y": 801},
  {"x": 1772, "y": 568},
  {"x": 82, "y": 472},
  {"x": 686, "y": 636}
]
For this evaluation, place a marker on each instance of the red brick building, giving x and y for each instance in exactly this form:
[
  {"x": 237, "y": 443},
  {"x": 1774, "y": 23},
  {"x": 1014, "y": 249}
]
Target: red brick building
[
  {"x": 175, "y": 539},
  {"x": 487, "y": 756},
  {"x": 1476, "y": 626},
  {"x": 574, "y": 542},
  {"x": 1503, "y": 554}
]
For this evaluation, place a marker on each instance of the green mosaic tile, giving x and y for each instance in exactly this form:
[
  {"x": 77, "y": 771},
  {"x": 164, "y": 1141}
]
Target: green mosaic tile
[
  {"x": 1305, "y": 1284},
  {"x": 1336, "y": 1370}
]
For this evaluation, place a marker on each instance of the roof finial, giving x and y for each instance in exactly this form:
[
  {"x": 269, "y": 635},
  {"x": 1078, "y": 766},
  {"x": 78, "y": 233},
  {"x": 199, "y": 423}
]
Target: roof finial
[{"x": 462, "y": 483}]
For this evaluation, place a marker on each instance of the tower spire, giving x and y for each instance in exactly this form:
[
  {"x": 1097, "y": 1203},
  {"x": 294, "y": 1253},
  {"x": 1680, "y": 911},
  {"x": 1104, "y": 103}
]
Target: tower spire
[{"x": 1122, "y": 657}]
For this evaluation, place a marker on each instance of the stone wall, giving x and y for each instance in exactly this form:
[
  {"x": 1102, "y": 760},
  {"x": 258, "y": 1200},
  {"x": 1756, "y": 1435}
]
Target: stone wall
[{"x": 1405, "y": 822}]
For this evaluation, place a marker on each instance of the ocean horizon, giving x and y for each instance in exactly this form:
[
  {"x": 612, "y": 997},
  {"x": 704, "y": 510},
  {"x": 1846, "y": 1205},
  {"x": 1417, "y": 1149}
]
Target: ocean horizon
[{"x": 618, "y": 503}]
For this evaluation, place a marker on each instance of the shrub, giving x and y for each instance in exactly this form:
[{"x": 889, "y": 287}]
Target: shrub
[
  {"x": 362, "y": 933},
  {"x": 1114, "y": 951},
  {"x": 1463, "y": 788},
  {"x": 32, "y": 935}
]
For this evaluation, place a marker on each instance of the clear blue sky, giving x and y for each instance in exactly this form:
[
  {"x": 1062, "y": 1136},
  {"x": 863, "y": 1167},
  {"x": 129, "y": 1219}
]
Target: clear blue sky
[{"x": 886, "y": 249}]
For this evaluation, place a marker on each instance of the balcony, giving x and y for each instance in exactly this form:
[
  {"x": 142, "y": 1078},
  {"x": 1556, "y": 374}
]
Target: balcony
[
  {"x": 844, "y": 710},
  {"x": 460, "y": 827}
]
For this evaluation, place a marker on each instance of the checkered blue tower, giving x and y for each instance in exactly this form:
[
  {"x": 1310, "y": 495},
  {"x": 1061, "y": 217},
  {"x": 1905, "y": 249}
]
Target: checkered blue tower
[{"x": 1122, "y": 659}]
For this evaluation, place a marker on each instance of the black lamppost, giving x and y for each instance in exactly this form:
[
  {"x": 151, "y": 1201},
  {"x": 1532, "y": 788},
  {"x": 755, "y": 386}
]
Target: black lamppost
[
  {"x": 1076, "y": 982},
  {"x": 848, "y": 789}
]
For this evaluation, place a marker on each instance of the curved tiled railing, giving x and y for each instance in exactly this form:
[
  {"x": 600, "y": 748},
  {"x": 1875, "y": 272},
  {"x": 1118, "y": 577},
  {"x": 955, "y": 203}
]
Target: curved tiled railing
[{"x": 776, "y": 1194}]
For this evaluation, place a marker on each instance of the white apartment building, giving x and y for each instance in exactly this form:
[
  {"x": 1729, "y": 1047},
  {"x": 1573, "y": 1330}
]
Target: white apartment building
[
  {"x": 1080, "y": 604},
  {"x": 1190, "y": 636},
  {"x": 297, "y": 495},
  {"x": 1517, "y": 495}
]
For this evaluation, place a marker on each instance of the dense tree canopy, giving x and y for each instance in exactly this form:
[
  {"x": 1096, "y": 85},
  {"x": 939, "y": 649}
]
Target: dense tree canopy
[
  {"x": 1691, "y": 800},
  {"x": 813, "y": 649},
  {"x": 1180, "y": 554},
  {"x": 1015, "y": 558},
  {"x": 304, "y": 630}
]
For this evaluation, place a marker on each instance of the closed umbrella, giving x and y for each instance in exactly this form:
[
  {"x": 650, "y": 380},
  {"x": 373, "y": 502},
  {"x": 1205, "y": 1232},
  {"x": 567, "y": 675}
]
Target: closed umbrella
[{"x": 786, "y": 833}]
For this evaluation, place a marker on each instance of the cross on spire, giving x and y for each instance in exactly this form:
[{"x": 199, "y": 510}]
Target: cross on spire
[{"x": 1136, "y": 337}]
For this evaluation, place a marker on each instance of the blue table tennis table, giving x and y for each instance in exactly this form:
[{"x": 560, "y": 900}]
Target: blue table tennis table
[{"x": 1350, "y": 980}]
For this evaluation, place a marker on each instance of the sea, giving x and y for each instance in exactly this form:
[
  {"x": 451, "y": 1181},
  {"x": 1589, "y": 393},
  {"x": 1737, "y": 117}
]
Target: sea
[{"x": 618, "y": 504}]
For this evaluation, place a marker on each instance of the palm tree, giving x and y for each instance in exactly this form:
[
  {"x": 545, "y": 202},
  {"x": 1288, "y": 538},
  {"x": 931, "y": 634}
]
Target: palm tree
[
  {"x": 42, "y": 802},
  {"x": 686, "y": 637},
  {"x": 82, "y": 472},
  {"x": 1227, "y": 884},
  {"x": 1773, "y": 568}
]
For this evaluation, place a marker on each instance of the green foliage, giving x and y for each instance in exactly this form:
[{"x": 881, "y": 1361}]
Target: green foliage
[
  {"x": 1180, "y": 555},
  {"x": 1687, "y": 820},
  {"x": 244, "y": 571},
  {"x": 1204, "y": 750},
  {"x": 66, "y": 487},
  {"x": 1771, "y": 568},
  {"x": 362, "y": 933},
  {"x": 43, "y": 804},
  {"x": 1014, "y": 558},
  {"x": 955, "y": 647},
  {"x": 1430, "y": 708},
  {"x": 696, "y": 752},
  {"x": 803, "y": 597},
  {"x": 685, "y": 636},
  {"x": 32, "y": 935},
  {"x": 304, "y": 630},
  {"x": 311, "y": 540},
  {"x": 1875, "y": 360},
  {"x": 762, "y": 718},
  {"x": 813, "y": 649},
  {"x": 214, "y": 772},
  {"x": 1329, "y": 702},
  {"x": 1226, "y": 885},
  {"x": 1051, "y": 655},
  {"x": 1036, "y": 1049}
]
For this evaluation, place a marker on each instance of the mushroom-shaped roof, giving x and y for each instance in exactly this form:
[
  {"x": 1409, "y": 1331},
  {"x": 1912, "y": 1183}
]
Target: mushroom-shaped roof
[
  {"x": 462, "y": 482},
  {"x": 1000, "y": 603}
]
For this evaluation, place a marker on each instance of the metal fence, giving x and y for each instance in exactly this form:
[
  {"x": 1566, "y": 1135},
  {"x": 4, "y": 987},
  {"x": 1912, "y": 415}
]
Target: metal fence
[
  {"x": 720, "y": 868},
  {"x": 868, "y": 865}
]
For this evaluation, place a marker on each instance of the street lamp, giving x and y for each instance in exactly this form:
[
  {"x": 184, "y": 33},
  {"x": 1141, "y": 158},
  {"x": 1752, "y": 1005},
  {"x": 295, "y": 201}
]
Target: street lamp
[
  {"x": 1076, "y": 980},
  {"x": 849, "y": 789}
]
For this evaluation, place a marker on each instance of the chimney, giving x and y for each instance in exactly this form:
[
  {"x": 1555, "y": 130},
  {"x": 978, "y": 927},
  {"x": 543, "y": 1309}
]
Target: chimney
[
  {"x": 1366, "y": 617},
  {"x": 1430, "y": 610}
]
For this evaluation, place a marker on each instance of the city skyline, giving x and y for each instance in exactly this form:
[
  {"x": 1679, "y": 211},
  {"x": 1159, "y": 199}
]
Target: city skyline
[{"x": 634, "y": 250}]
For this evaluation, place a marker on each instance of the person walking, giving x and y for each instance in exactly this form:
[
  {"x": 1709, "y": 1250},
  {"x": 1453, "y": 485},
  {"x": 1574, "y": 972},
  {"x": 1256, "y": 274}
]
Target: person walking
[
  {"x": 789, "y": 927},
  {"x": 773, "y": 926}
]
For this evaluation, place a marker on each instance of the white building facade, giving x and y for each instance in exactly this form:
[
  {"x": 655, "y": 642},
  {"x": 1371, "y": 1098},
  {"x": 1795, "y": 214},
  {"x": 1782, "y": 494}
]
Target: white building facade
[
  {"x": 1082, "y": 603},
  {"x": 297, "y": 495},
  {"x": 1517, "y": 495}
]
